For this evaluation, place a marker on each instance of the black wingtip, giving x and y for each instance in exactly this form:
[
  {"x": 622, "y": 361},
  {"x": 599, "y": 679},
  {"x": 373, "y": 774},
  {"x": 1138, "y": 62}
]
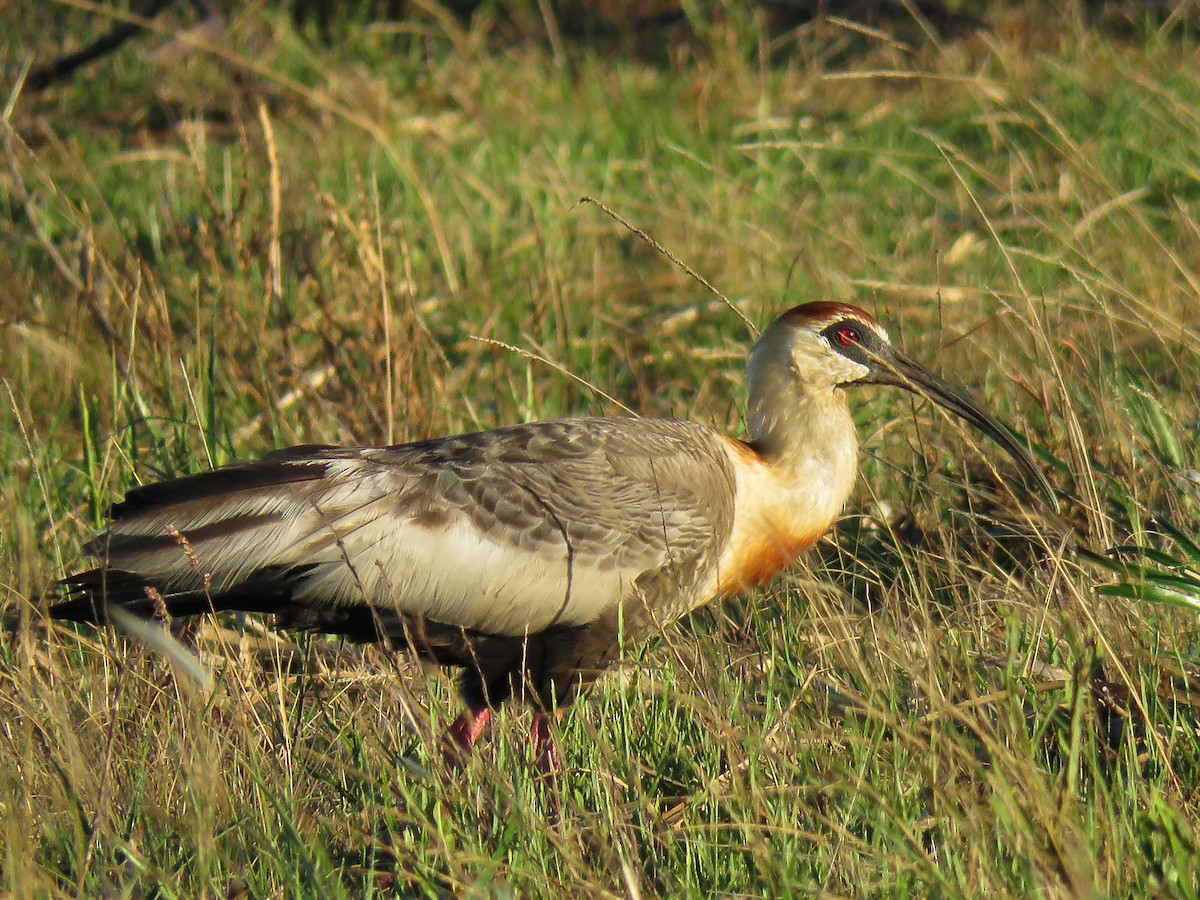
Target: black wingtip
[
  {"x": 86, "y": 596},
  {"x": 282, "y": 467}
]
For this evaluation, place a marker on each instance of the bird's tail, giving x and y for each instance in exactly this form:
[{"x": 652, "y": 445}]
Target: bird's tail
[
  {"x": 261, "y": 537},
  {"x": 210, "y": 542}
]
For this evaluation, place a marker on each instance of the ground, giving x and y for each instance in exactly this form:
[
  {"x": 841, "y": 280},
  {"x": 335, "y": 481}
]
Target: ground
[{"x": 370, "y": 231}]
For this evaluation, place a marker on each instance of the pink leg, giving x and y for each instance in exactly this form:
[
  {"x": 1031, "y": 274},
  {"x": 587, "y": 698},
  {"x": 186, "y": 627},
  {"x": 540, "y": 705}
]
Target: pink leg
[
  {"x": 545, "y": 751},
  {"x": 460, "y": 738}
]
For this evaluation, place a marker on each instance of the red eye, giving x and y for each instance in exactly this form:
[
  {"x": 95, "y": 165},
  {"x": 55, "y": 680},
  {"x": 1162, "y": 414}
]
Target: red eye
[{"x": 847, "y": 336}]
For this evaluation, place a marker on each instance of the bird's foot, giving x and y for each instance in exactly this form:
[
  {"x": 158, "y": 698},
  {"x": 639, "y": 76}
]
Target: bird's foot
[{"x": 460, "y": 738}]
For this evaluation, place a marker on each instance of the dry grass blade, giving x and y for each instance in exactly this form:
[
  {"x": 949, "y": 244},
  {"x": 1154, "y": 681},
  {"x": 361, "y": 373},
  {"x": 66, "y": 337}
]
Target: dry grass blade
[
  {"x": 290, "y": 236},
  {"x": 183, "y": 661}
]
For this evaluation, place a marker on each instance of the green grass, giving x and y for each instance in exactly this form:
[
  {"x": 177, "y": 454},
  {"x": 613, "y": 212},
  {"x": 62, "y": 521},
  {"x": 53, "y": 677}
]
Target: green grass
[{"x": 937, "y": 703}]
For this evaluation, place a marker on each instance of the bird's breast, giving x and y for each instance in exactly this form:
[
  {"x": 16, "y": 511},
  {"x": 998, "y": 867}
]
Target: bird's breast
[
  {"x": 780, "y": 512},
  {"x": 759, "y": 559}
]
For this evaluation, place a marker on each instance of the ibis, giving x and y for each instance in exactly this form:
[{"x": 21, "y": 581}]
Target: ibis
[{"x": 521, "y": 556}]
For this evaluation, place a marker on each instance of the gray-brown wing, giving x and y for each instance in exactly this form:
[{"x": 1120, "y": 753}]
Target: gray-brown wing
[{"x": 505, "y": 532}]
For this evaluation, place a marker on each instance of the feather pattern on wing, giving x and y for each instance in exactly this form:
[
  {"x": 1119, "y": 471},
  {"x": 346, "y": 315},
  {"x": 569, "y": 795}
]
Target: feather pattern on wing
[{"x": 508, "y": 532}]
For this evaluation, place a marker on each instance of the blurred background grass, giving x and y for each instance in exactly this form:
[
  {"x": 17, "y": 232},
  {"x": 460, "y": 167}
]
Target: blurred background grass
[{"x": 300, "y": 230}]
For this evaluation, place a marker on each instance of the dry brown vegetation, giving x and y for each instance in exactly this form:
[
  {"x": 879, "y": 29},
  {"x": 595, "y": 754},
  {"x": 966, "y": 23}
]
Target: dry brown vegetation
[{"x": 282, "y": 239}]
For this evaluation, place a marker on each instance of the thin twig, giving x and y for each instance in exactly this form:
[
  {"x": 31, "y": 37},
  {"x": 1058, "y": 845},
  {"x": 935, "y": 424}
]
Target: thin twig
[
  {"x": 672, "y": 257},
  {"x": 558, "y": 367},
  {"x": 65, "y": 66}
]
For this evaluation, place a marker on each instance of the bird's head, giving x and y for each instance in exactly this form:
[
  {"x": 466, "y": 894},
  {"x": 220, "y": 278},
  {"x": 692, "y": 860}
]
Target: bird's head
[{"x": 823, "y": 346}]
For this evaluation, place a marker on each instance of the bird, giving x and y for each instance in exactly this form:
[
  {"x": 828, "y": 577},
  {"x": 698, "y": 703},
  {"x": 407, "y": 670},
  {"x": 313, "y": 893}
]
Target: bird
[{"x": 522, "y": 556}]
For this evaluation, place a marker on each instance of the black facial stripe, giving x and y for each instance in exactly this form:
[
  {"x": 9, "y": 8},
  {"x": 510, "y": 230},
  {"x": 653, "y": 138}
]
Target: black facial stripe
[{"x": 865, "y": 351}]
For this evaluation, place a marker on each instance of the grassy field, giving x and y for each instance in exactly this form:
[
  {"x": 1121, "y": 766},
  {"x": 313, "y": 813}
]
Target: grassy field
[{"x": 296, "y": 237}]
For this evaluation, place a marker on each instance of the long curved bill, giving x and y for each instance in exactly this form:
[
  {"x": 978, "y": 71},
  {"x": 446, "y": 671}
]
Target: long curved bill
[{"x": 897, "y": 369}]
